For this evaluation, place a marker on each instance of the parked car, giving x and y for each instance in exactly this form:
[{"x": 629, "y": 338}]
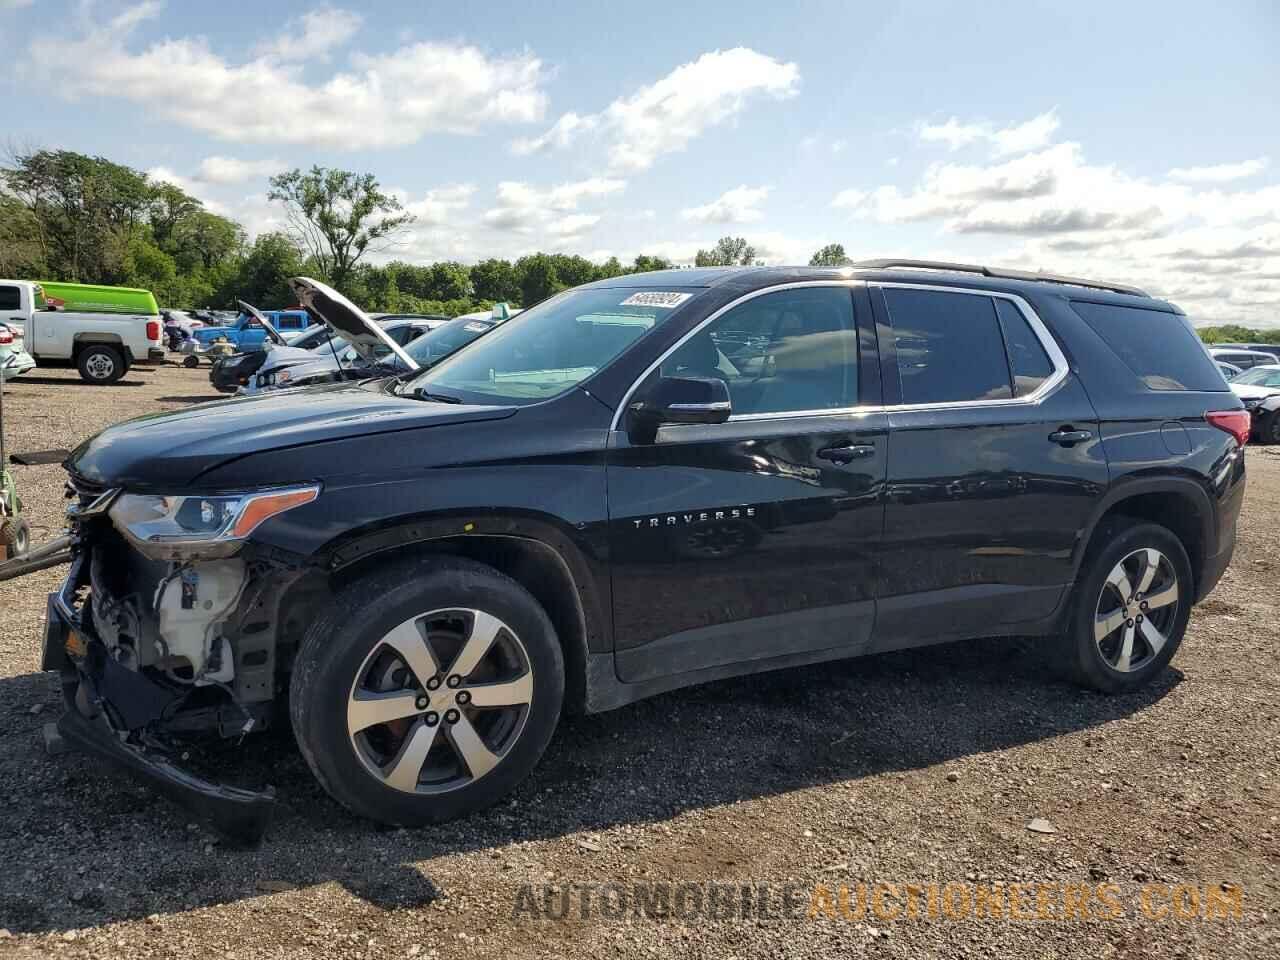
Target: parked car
[
  {"x": 103, "y": 344},
  {"x": 14, "y": 359},
  {"x": 434, "y": 566},
  {"x": 337, "y": 359},
  {"x": 178, "y": 326},
  {"x": 1229, "y": 370},
  {"x": 426, "y": 341},
  {"x": 1259, "y": 389},
  {"x": 1244, "y": 359},
  {"x": 1261, "y": 347},
  {"x": 246, "y": 334}
]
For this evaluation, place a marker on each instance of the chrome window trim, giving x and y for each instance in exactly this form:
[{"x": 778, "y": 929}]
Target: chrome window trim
[{"x": 1056, "y": 357}]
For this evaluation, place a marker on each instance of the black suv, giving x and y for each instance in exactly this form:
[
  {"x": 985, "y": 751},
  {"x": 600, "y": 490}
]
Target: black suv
[{"x": 646, "y": 482}]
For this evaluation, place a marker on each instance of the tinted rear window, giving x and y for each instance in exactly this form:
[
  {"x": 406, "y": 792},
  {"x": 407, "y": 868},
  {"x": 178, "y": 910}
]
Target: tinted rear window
[{"x": 1160, "y": 348}]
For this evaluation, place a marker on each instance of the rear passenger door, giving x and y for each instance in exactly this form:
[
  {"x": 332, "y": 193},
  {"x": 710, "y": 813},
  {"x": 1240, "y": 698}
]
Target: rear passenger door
[{"x": 994, "y": 465}]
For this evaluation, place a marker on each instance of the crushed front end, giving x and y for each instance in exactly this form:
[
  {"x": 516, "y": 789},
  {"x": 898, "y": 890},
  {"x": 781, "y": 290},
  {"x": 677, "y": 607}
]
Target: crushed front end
[{"x": 161, "y": 641}]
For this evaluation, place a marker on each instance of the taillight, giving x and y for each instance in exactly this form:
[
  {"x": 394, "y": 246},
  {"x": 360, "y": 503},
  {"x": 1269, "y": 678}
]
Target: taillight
[
  {"x": 1235, "y": 422},
  {"x": 6, "y": 336},
  {"x": 153, "y": 329}
]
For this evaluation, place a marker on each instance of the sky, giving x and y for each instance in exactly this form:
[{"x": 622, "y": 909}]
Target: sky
[{"x": 1134, "y": 141}]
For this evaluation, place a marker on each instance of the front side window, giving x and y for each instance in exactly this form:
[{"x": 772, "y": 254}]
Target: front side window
[
  {"x": 949, "y": 346},
  {"x": 552, "y": 347},
  {"x": 784, "y": 352}
]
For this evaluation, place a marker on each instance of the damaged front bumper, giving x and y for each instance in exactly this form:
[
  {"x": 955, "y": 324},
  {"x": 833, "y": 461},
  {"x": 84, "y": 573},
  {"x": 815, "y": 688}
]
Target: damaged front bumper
[{"x": 111, "y": 711}]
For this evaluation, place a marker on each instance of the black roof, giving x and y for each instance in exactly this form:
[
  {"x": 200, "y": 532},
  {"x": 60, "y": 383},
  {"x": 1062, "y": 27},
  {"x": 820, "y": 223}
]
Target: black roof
[{"x": 748, "y": 279}]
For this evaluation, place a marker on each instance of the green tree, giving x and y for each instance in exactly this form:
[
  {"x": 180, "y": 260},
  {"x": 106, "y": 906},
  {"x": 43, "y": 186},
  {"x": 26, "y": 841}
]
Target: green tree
[
  {"x": 495, "y": 280},
  {"x": 338, "y": 216},
  {"x": 536, "y": 274},
  {"x": 645, "y": 263},
  {"x": 832, "y": 255},
  {"x": 728, "y": 252},
  {"x": 261, "y": 276}
]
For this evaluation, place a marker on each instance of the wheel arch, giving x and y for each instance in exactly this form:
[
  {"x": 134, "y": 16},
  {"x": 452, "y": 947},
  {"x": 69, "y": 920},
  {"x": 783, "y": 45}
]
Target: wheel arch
[
  {"x": 1180, "y": 504},
  {"x": 534, "y": 553}
]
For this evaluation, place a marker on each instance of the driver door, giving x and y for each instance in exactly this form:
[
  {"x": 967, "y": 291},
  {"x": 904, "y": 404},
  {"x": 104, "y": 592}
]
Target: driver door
[{"x": 755, "y": 541}]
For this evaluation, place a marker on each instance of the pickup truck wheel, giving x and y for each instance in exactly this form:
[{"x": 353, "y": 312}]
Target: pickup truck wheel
[
  {"x": 100, "y": 364},
  {"x": 15, "y": 537},
  {"x": 1132, "y": 603},
  {"x": 191, "y": 361},
  {"x": 427, "y": 690}
]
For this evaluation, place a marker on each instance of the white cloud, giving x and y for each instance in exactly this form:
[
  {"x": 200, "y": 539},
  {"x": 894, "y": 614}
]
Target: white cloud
[
  {"x": 524, "y": 208},
  {"x": 1214, "y": 251},
  {"x": 739, "y": 205},
  {"x": 388, "y": 99},
  {"x": 1007, "y": 141},
  {"x": 313, "y": 36},
  {"x": 437, "y": 207},
  {"x": 1220, "y": 173},
  {"x": 224, "y": 170},
  {"x": 667, "y": 115}
]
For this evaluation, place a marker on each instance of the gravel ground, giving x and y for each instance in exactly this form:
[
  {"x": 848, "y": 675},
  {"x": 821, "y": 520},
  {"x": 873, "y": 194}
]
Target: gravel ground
[{"x": 923, "y": 767}]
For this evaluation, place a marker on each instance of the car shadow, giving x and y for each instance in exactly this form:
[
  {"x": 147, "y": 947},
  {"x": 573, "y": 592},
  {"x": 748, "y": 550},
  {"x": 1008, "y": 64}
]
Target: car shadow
[
  {"x": 201, "y": 398},
  {"x": 698, "y": 748},
  {"x": 57, "y": 381}
]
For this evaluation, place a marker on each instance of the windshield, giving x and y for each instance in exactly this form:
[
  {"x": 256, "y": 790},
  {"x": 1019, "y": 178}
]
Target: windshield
[
  {"x": 554, "y": 346},
  {"x": 439, "y": 343},
  {"x": 1260, "y": 376}
]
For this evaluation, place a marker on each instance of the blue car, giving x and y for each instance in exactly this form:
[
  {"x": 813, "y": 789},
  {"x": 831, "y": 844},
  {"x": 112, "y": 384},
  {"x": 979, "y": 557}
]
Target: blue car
[{"x": 245, "y": 335}]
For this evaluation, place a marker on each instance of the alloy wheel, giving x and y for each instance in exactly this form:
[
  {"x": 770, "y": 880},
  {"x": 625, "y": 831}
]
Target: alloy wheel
[
  {"x": 440, "y": 700},
  {"x": 1136, "y": 608}
]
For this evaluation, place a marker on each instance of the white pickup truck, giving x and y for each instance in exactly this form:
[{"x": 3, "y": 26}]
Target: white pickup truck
[{"x": 103, "y": 346}]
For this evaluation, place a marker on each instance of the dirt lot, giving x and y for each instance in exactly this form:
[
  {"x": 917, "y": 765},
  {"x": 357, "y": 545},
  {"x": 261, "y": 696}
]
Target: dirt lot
[{"x": 921, "y": 768}]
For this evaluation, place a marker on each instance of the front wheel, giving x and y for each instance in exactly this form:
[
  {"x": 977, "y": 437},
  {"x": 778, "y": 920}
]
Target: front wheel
[
  {"x": 427, "y": 690},
  {"x": 1132, "y": 603},
  {"x": 1269, "y": 428}
]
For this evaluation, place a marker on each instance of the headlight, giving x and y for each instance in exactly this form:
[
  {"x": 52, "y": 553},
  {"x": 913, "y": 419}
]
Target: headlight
[{"x": 185, "y": 527}]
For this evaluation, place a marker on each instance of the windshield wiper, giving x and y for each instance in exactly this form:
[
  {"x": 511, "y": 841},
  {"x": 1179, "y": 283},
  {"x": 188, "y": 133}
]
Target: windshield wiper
[{"x": 422, "y": 394}]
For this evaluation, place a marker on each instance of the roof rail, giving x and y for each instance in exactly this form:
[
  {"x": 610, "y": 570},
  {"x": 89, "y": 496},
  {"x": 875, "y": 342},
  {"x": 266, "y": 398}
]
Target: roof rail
[{"x": 892, "y": 263}]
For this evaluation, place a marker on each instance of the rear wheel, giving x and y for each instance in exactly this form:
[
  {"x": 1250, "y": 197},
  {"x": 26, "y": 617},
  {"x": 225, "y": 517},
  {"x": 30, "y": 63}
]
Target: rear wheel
[
  {"x": 191, "y": 361},
  {"x": 101, "y": 364},
  {"x": 1132, "y": 605},
  {"x": 1269, "y": 428},
  {"x": 428, "y": 690}
]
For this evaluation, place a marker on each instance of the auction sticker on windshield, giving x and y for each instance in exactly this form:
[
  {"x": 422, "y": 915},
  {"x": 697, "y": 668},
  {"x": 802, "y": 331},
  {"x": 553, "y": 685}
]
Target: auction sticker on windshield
[{"x": 668, "y": 301}]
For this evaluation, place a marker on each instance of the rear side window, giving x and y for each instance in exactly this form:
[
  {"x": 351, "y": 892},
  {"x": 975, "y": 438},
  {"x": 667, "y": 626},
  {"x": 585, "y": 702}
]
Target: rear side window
[
  {"x": 9, "y": 299},
  {"x": 949, "y": 346},
  {"x": 1160, "y": 348},
  {"x": 1028, "y": 362}
]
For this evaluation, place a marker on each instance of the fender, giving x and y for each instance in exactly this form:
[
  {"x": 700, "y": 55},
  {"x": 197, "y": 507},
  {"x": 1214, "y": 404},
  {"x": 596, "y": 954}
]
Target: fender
[
  {"x": 590, "y": 579},
  {"x": 1125, "y": 487},
  {"x": 1270, "y": 403}
]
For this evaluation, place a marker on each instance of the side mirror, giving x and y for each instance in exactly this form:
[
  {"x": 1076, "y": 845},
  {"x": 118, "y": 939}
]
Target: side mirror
[{"x": 681, "y": 400}]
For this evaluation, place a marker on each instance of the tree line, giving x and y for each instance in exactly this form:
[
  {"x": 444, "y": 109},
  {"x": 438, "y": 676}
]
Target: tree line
[{"x": 71, "y": 217}]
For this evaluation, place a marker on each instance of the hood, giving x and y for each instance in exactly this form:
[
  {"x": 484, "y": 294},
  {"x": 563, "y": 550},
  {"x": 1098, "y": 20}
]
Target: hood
[
  {"x": 1251, "y": 391},
  {"x": 272, "y": 333},
  {"x": 165, "y": 452},
  {"x": 331, "y": 308}
]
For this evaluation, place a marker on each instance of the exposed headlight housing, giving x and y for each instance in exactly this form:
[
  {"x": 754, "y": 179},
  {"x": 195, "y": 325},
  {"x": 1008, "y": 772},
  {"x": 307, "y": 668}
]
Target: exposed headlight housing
[{"x": 201, "y": 526}]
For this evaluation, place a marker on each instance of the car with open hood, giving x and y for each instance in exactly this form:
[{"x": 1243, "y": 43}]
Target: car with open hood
[{"x": 646, "y": 482}]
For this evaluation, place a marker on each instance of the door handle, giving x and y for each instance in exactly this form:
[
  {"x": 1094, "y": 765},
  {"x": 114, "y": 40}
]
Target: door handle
[
  {"x": 1067, "y": 436},
  {"x": 847, "y": 454}
]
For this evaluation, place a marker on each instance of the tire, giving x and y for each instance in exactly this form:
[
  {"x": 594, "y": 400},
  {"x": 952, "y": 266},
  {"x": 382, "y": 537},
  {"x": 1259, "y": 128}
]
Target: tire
[
  {"x": 15, "y": 537},
  {"x": 101, "y": 364},
  {"x": 380, "y": 771},
  {"x": 1095, "y": 655},
  {"x": 1269, "y": 428},
  {"x": 191, "y": 361}
]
